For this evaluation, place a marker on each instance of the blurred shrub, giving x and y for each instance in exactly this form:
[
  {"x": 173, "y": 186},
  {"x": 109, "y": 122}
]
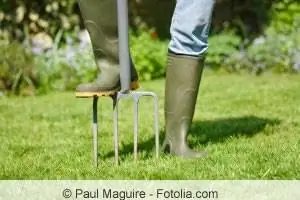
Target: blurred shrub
[
  {"x": 18, "y": 74},
  {"x": 277, "y": 52},
  {"x": 149, "y": 54},
  {"x": 222, "y": 46},
  {"x": 277, "y": 49},
  {"x": 25, "y": 70},
  {"x": 21, "y": 19},
  {"x": 284, "y": 15}
]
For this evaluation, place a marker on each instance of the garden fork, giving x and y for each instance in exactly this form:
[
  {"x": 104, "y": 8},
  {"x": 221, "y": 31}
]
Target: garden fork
[{"x": 125, "y": 92}]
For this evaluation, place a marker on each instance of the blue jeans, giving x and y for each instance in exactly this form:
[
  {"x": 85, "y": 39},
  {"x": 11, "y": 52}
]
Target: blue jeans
[{"x": 190, "y": 27}]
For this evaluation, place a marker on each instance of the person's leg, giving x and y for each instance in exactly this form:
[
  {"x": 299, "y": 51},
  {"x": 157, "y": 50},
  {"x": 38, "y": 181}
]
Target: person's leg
[
  {"x": 100, "y": 20},
  {"x": 189, "y": 34}
]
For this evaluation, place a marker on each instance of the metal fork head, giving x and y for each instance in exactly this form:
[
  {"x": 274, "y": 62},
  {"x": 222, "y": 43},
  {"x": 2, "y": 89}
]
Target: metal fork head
[{"x": 135, "y": 95}]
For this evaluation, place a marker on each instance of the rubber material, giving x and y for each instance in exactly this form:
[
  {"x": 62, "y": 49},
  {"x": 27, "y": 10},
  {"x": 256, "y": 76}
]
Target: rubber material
[
  {"x": 182, "y": 84},
  {"x": 100, "y": 20}
]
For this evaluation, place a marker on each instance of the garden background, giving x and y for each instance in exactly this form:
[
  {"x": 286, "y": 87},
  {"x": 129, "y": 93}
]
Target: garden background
[{"x": 44, "y": 47}]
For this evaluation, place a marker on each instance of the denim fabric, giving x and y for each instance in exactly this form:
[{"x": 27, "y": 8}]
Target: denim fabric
[{"x": 190, "y": 27}]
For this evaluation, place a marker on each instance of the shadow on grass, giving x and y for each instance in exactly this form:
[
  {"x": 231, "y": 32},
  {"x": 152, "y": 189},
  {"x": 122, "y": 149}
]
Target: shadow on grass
[
  {"x": 211, "y": 131},
  {"x": 219, "y": 130}
]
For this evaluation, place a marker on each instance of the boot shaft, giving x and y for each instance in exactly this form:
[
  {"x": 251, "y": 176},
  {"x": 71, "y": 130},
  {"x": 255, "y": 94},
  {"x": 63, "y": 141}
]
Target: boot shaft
[
  {"x": 182, "y": 84},
  {"x": 100, "y": 20}
]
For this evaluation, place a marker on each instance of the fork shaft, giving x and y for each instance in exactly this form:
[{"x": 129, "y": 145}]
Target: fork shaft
[{"x": 124, "y": 44}]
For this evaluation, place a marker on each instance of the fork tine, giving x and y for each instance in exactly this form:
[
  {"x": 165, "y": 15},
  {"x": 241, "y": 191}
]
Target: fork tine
[
  {"x": 116, "y": 129},
  {"x": 156, "y": 125},
  {"x": 136, "y": 121},
  {"x": 95, "y": 131},
  {"x": 116, "y": 99}
]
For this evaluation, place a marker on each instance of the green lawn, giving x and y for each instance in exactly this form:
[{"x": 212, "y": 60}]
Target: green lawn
[{"x": 249, "y": 125}]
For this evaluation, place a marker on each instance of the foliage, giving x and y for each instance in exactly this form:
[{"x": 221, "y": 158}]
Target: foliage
[
  {"x": 285, "y": 14},
  {"x": 149, "y": 54},
  {"x": 18, "y": 73},
  {"x": 25, "y": 70},
  {"x": 220, "y": 47},
  {"x": 19, "y": 18},
  {"x": 277, "y": 49}
]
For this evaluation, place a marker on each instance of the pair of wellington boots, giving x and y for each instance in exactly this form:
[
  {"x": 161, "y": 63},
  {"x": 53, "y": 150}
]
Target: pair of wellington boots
[{"x": 182, "y": 77}]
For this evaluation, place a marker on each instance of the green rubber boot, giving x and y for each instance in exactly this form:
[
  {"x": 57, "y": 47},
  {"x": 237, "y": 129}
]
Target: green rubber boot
[
  {"x": 101, "y": 22},
  {"x": 182, "y": 84}
]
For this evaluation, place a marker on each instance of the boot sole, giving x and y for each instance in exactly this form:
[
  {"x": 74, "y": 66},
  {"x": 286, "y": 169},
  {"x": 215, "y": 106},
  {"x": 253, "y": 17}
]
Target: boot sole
[{"x": 133, "y": 86}]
